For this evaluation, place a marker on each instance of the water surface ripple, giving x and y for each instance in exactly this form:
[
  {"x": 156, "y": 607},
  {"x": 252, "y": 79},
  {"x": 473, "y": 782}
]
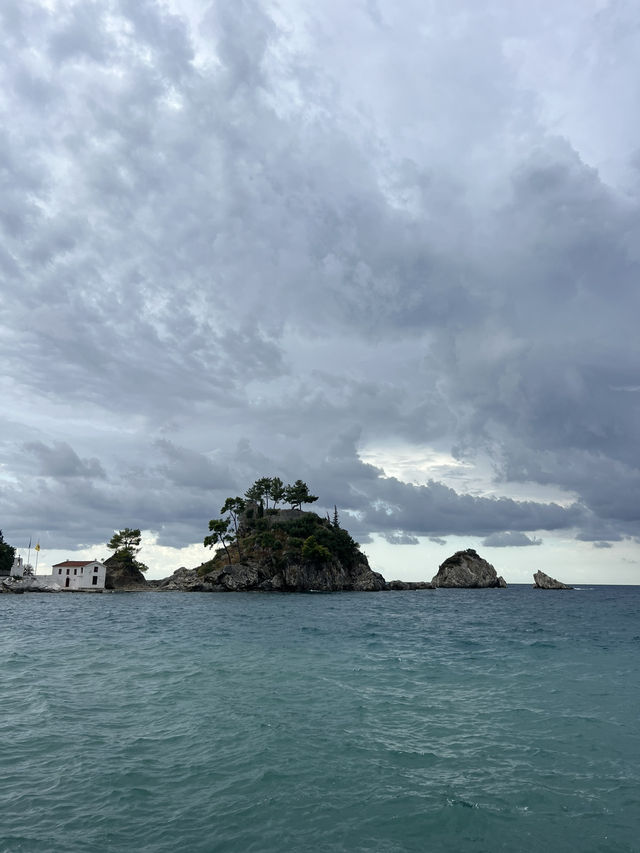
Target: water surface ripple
[{"x": 455, "y": 720}]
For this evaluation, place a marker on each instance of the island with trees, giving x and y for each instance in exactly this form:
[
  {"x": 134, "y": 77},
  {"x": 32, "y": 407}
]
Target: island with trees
[
  {"x": 261, "y": 545},
  {"x": 124, "y": 571}
]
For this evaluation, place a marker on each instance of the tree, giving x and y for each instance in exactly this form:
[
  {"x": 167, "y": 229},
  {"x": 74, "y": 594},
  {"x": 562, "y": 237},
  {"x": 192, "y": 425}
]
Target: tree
[
  {"x": 7, "y": 553},
  {"x": 219, "y": 528},
  {"x": 234, "y": 507},
  {"x": 125, "y": 543},
  {"x": 255, "y": 493},
  {"x": 264, "y": 484},
  {"x": 276, "y": 490},
  {"x": 336, "y": 520},
  {"x": 298, "y": 494}
]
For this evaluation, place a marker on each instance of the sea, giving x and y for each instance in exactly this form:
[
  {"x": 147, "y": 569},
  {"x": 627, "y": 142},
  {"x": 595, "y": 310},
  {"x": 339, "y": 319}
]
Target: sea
[{"x": 447, "y": 720}]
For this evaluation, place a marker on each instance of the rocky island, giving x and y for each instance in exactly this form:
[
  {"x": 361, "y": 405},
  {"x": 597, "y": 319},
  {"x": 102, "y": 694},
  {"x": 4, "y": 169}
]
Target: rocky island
[
  {"x": 467, "y": 570},
  {"x": 284, "y": 550}
]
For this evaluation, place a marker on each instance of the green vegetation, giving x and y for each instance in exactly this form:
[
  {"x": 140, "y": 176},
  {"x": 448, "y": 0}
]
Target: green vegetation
[
  {"x": 7, "y": 553},
  {"x": 272, "y": 488},
  {"x": 251, "y": 530},
  {"x": 126, "y": 544}
]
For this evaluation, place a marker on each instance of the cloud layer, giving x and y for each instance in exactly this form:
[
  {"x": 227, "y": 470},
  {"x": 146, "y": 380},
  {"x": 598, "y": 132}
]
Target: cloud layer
[{"x": 255, "y": 239}]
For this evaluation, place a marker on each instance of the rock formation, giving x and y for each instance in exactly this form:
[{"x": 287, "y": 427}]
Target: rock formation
[
  {"x": 123, "y": 574},
  {"x": 466, "y": 569},
  {"x": 182, "y": 580},
  {"x": 542, "y": 581},
  {"x": 331, "y": 576}
]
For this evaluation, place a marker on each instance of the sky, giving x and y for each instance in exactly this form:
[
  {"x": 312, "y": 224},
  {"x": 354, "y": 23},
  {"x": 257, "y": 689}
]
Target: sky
[{"x": 389, "y": 247}]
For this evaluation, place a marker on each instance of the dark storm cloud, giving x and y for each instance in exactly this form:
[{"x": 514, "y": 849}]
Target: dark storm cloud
[
  {"x": 61, "y": 460},
  {"x": 231, "y": 236}
]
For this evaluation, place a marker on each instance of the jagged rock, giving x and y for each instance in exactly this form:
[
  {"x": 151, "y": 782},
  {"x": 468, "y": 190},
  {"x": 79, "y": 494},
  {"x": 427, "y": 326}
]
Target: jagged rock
[
  {"x": 466, "y": 569},
  {"x": 297, "y": 577},
  {"x": 409, "y": 585},
  {"x": 123, "y": 574},
  {"x": 542, "y": 581}
]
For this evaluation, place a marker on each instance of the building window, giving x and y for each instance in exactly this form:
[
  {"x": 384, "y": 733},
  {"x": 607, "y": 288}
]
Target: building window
[
  {"x": 82, "y": 570},
  {"x": 96, "y": 569},
  {"x": 95, "y": 581},
  {"x": 59, "y": 571},
  {"x": 75, "y": 571},
  {"x": 67, "y": 571}
]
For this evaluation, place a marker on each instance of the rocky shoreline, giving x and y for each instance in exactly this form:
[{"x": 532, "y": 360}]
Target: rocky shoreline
[{"x": 463, "y": 570}]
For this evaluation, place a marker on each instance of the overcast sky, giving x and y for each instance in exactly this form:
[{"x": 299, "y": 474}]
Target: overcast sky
[{"x": 391, "y": 247}]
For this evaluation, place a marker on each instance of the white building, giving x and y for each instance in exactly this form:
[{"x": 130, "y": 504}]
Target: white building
[
  {"x": 88, "y": 575},
  {"x": 17, "y": 570}
]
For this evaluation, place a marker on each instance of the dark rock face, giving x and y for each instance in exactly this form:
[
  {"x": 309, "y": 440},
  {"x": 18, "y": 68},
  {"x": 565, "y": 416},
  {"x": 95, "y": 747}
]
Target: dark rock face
[
  {"x": 542, "y": 581},
  {"x": 250, "y": 575},
  {"x": 123, "y": 574},
  {"x": 300, "y": 577},
  {"x": 467, "y": 570}
]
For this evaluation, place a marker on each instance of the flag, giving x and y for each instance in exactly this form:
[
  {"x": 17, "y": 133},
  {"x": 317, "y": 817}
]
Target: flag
[{"x": 37, "y": 546}]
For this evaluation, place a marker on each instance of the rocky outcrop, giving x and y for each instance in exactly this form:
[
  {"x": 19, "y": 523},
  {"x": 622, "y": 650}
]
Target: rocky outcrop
[
  {"x": 467, "y": 570},
  {"x": 542, "y": 581},
  {"x": 123, "y": 574},
  {"x": 182, "y": 580},
  {"x": 293, "y": 577},
  {"x": 409, "y": 585},
  {"x": 28, "y": 584}
]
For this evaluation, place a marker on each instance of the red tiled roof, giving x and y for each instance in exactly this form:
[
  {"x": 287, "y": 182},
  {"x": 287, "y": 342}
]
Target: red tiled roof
[{"x": 73, "y": 563}]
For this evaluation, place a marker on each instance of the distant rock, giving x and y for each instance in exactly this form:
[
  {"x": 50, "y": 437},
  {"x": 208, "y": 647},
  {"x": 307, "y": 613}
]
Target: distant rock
[
  {"x": 542, "y": 581},
  {"x": 467, "y": 570},
  {"x": 393, "y": 585},
  {"x": 123, "y": 574}
]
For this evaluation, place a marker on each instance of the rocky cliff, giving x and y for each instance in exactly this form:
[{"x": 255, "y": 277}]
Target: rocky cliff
[
  {"x": 466, "y": 569},
  {"x": 252, "y": 575}
]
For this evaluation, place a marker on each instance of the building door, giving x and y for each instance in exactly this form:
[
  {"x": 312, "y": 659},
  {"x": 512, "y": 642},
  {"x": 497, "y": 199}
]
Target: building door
[{"x": 66, "y": 581}]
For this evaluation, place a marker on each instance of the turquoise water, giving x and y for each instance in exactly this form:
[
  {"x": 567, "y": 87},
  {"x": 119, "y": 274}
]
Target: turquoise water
[{"x": 454, "y": 720}]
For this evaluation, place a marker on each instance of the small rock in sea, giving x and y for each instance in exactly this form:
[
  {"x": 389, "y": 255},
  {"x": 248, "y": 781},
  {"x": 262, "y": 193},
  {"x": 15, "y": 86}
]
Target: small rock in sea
[{"x": 542, "y": 581}]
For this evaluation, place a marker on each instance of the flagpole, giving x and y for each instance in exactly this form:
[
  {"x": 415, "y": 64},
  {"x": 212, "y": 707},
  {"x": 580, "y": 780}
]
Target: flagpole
[
  {"x": 29, "y": 553},
  {"x": 35, "y": 571}
]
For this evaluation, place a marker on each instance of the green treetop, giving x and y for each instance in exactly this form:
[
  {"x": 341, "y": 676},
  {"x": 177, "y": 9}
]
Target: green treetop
[
  {"x": 298, "y": 494},
  {"x": 125, "y": 543}
]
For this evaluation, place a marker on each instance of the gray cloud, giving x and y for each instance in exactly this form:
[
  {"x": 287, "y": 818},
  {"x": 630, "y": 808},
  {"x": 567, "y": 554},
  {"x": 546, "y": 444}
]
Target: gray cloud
[
  {"x": 61, "y": 461},
  {"x": 401, "y": 539},
  {"x": 510, "y": 539}
]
